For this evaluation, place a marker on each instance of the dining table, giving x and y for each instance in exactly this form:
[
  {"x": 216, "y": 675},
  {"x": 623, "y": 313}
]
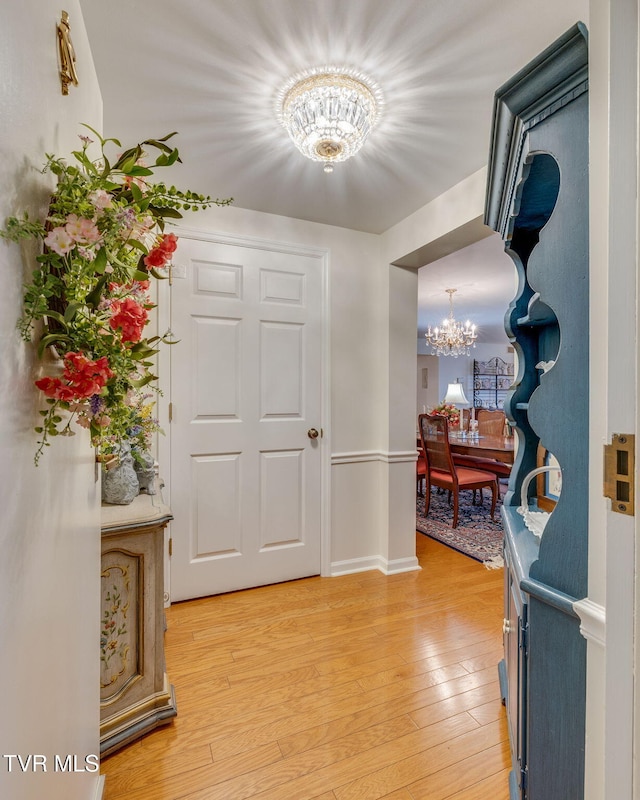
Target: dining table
[
  {"x": 486, "y": 446},
  {"x": 499, "y": 448}
]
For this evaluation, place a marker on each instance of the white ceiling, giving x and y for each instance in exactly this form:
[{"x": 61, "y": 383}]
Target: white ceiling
[
  {"x": 484, "y": 277},
  {"x": 210, "y": 69}
]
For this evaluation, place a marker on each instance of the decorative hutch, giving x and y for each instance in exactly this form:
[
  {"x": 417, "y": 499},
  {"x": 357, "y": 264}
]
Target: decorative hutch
[{"x": 537, "y": 199}]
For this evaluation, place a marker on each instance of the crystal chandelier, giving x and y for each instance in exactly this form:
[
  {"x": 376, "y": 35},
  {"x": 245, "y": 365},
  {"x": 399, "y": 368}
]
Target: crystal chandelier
[
  {"x": 454, "y": 338},
  {"x": 329, "y": 112}
]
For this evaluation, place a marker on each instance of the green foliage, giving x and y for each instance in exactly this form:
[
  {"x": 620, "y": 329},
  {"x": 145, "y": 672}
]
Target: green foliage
[{"x": 102, "y": 242}]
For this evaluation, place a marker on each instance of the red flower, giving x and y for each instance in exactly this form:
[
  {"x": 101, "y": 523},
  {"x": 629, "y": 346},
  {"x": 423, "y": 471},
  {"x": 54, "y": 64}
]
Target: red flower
[
  {"x": 49, "y": 385},
  {"x": 169, "y": 243},
  {"x": 156, "y": 258},
  {"x": 161, "y": 253},
  {"x": 83, "y": 377},
  {"x": 69, "y": 394},
  {"x": 102, "y": 368},
  {"x": 130, "y": 317}
]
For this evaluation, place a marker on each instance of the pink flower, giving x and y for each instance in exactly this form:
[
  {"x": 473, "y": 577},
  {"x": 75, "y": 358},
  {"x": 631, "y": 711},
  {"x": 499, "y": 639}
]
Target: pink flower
[
  {"x": 59, "y": 241},
  {"x": 86, "y": 253},
  {"x": 82, "y": 230},
  {"x": 141, "y": 229},
  {"x": 100, "y": 199},
  {"x": 139, "y": 182}
]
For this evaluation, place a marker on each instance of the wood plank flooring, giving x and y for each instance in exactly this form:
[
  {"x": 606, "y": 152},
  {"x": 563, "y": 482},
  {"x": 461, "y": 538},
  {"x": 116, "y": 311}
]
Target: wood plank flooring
[{"x": 361, "y": 687}]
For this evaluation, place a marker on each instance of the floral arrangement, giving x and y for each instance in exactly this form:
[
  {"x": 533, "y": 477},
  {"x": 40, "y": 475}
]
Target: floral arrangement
[
  {"x": 102, "y": 243},
  {"x": 449, "y": 411}
]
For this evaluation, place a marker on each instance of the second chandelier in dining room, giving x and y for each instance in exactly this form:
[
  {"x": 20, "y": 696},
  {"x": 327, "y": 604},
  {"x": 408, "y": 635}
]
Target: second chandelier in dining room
[{"x": 453, "y": 338}]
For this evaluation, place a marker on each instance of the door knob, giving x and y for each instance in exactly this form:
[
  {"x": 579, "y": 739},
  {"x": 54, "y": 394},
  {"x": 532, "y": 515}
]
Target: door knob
[{"x": 312, "y": 433}]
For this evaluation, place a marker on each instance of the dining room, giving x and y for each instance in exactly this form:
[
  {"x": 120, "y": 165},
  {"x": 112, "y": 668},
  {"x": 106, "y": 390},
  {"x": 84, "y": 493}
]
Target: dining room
[{"x": 465, "y": 378}]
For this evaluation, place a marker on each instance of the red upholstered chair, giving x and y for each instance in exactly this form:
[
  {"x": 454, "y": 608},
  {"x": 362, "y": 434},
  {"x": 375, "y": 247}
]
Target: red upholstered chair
[
  {"x": 498, "y": 468},
  {"x": 421, "y": 470},
  {"x": 442, "y": 472}
]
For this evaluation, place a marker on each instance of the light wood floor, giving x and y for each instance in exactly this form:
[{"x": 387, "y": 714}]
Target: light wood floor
[{"x": 351, "y": 688}]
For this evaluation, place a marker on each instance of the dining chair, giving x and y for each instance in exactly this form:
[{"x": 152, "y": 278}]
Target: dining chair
[
  {"x": 441, "y": 470},
  {"x": 421, "y": 470},
  {"x": 490, "y": 423},
  {"x": 499, "y": 468}
]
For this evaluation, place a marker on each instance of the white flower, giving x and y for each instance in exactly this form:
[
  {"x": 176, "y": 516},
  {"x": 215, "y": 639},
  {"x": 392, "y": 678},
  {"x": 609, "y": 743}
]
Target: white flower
[{"x": 59, "y": 241}]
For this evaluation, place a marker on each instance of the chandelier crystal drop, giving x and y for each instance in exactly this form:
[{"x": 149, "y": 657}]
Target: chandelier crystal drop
[
  {"x": 454, "y": 338},
  {"x": 329, "y": 112}
]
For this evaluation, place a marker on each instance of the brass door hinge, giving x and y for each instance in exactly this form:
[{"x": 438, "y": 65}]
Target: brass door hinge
[
  {"x": 170, "y": 412},
  {"x": 619, "y": 472},
  {"x": 170, "y": 546}
]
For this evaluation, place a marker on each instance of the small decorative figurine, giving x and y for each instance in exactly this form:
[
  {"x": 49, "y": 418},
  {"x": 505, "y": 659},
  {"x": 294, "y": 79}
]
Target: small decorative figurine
[
  {"x": 120, "y": 484},
  {"x": 144, "y": 467},
  {"x": 66, "y": 54}
]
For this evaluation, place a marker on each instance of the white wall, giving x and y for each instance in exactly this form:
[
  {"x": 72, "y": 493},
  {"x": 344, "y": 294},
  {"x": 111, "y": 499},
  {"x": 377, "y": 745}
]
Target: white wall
[
  {"x": 453, "y": 370},
  {"x": 451, "y": 221},
  {"x": 398, "y": 486},
  {"x": 449, "y": 370},
  {"x": 49, "y": 535},
  {"x": 428, "y": 397}
]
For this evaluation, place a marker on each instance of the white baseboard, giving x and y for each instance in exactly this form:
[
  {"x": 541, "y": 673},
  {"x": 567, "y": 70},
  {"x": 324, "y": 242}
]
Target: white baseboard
[
  {"x": 365, "y": 564},
  {"x": 352, "y": 565},
  {"x": 99, "y": 788},
  {"x": 400, "y": 565}
]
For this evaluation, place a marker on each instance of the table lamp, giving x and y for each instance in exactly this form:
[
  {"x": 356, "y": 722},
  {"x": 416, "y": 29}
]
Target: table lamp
[{"x": 455, "y": 395}]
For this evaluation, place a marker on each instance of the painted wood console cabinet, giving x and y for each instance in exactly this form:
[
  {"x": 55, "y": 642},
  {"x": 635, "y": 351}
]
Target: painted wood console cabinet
[
  {"x": 135, "y": 695},
  {"x": 537, "y": 199}
]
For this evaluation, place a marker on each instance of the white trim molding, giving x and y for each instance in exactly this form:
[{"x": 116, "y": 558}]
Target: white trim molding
[
  {"x": 367, "y": 563},
  {"x": 385, "y": 456},
  {"x": 593, "y": 621}
]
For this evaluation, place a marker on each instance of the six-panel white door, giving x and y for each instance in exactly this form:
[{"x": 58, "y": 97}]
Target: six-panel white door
[{"x": 245, "y": 476}]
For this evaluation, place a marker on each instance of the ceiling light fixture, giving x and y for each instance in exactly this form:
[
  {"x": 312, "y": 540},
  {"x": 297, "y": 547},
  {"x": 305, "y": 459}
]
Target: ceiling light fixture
[
  {"x": 454, "y": 338},
  {"x": 329, "y": 112}
]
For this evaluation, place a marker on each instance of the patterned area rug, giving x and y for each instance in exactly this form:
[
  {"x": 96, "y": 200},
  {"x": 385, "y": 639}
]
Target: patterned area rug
[{"x": 477, "y": 535}]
